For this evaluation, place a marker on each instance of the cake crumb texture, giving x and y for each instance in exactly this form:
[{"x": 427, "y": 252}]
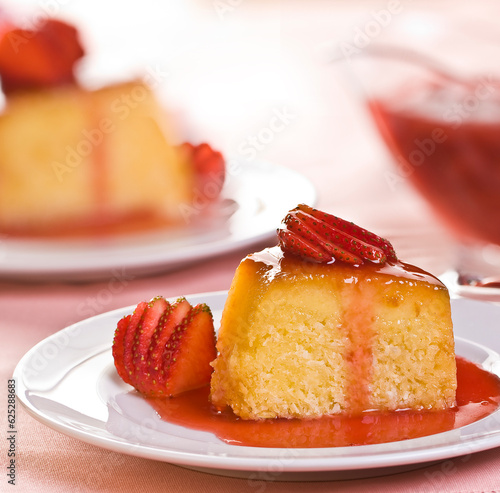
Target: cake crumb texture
[{"x": 299, "y": 339}]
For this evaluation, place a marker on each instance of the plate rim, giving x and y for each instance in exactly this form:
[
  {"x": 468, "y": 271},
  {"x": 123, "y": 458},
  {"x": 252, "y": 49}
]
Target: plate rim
[
  {"x": 17, "y": 268},
  {"x": 302, "y": 463}
]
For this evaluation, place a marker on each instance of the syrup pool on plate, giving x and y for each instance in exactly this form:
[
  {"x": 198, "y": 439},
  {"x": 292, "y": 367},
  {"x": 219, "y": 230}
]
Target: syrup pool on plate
[{"x": 478, "y": 395}]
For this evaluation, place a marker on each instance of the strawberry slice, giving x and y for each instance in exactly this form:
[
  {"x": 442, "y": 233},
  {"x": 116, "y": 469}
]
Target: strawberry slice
[
  {"x": 123, "y": 338},
  {"x": 157, "y": 310},
  {"x": 189, "y": 352},
  {"x": 119, "y": 346},
  {"x": 355, "y": 231},
  {"x": 153, "y": 380},
  {"x": 209, "y": 167},
  {"x": 299, "y": 246},
  {"x": 124, "y": 358},
  {"x": 39, "y": 58},
  {"x": 321, "y": 237}
]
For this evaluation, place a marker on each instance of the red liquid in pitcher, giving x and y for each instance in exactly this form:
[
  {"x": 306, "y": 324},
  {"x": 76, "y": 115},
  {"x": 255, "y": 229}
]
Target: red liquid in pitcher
[
  {"x": 478, "y": 395},
  {"x": 448, "y": 145}
]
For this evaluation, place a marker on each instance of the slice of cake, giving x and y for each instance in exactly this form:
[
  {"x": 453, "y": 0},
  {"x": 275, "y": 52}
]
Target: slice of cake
[
  {"x": 69, "y": 155},
  {"x": 332, "y": 323},
  {"x": 75, "y": 159}
]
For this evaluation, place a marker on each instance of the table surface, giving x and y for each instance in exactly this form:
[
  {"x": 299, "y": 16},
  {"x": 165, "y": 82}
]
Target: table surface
[{"x": 232, "y": 65}]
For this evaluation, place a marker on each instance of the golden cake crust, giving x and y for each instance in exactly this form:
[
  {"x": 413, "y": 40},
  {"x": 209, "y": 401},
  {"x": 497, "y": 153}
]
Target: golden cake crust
[{"x": 300, "y": 339}]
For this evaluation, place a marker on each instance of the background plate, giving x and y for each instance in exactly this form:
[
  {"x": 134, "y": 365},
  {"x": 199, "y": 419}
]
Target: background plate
[
  {"x": 260, "y": 193},
  {"x": 68, "y": 382}
]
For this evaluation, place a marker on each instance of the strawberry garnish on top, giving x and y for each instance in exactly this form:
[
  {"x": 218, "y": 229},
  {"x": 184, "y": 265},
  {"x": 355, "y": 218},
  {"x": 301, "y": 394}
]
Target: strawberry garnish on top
[
  {"x": 320, "y": 237},
  {"x": 38, "y": 58},
  {"x": 209, "y": 170},
  {"x": 163, "y": 349}
]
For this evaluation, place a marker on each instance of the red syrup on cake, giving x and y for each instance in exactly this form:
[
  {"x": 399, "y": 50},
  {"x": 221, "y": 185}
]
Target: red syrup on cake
[
  {"x": 446, "y": 143},
  {"x": 478, "y": 395}
]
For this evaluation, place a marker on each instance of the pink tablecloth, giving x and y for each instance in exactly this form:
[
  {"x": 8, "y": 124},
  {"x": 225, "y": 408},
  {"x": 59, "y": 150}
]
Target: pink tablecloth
[
  {"x": 331, "y": 143},
  {"x": 50, "y": 461}
]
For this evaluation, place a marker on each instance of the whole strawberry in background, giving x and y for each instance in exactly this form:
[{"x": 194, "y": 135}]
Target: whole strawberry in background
[
  {"x": 41, "y": 57},
  {"x": 209, "y": 168}
]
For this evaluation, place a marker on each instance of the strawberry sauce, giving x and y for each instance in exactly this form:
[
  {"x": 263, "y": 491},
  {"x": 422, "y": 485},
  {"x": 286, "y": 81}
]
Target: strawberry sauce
[
  {"x": 447, "y": 146},
  {"x": 360, "y": 335},
  {"x": 478, "y": 395}
]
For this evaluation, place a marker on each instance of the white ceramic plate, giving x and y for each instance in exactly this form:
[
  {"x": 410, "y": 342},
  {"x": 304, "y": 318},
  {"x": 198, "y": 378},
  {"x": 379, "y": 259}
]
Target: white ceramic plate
[
  {"x": 68, "y": 381},
  {"x": 260, "y": 194}
]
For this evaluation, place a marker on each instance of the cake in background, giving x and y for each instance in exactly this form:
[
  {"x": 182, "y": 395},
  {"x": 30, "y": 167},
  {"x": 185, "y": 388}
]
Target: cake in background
[{"x": 81, "y": 161}]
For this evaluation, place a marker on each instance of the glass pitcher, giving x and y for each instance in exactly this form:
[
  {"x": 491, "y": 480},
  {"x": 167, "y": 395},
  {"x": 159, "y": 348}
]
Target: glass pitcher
[{"x": 432, "y": 86}]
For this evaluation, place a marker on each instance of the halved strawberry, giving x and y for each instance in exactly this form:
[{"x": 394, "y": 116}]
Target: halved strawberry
[
  {"x": 163, "y": 349},
  {"x": 297, "y": 227},
  {"x": 189, "y": 352},
  {"x": 157, "y": 309},
  {"x": 209, "y": 167},
  {"x": 153, "y": 378},
  {"x": 39, "y": 58},
  {"x": 321, "y": 237}
]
